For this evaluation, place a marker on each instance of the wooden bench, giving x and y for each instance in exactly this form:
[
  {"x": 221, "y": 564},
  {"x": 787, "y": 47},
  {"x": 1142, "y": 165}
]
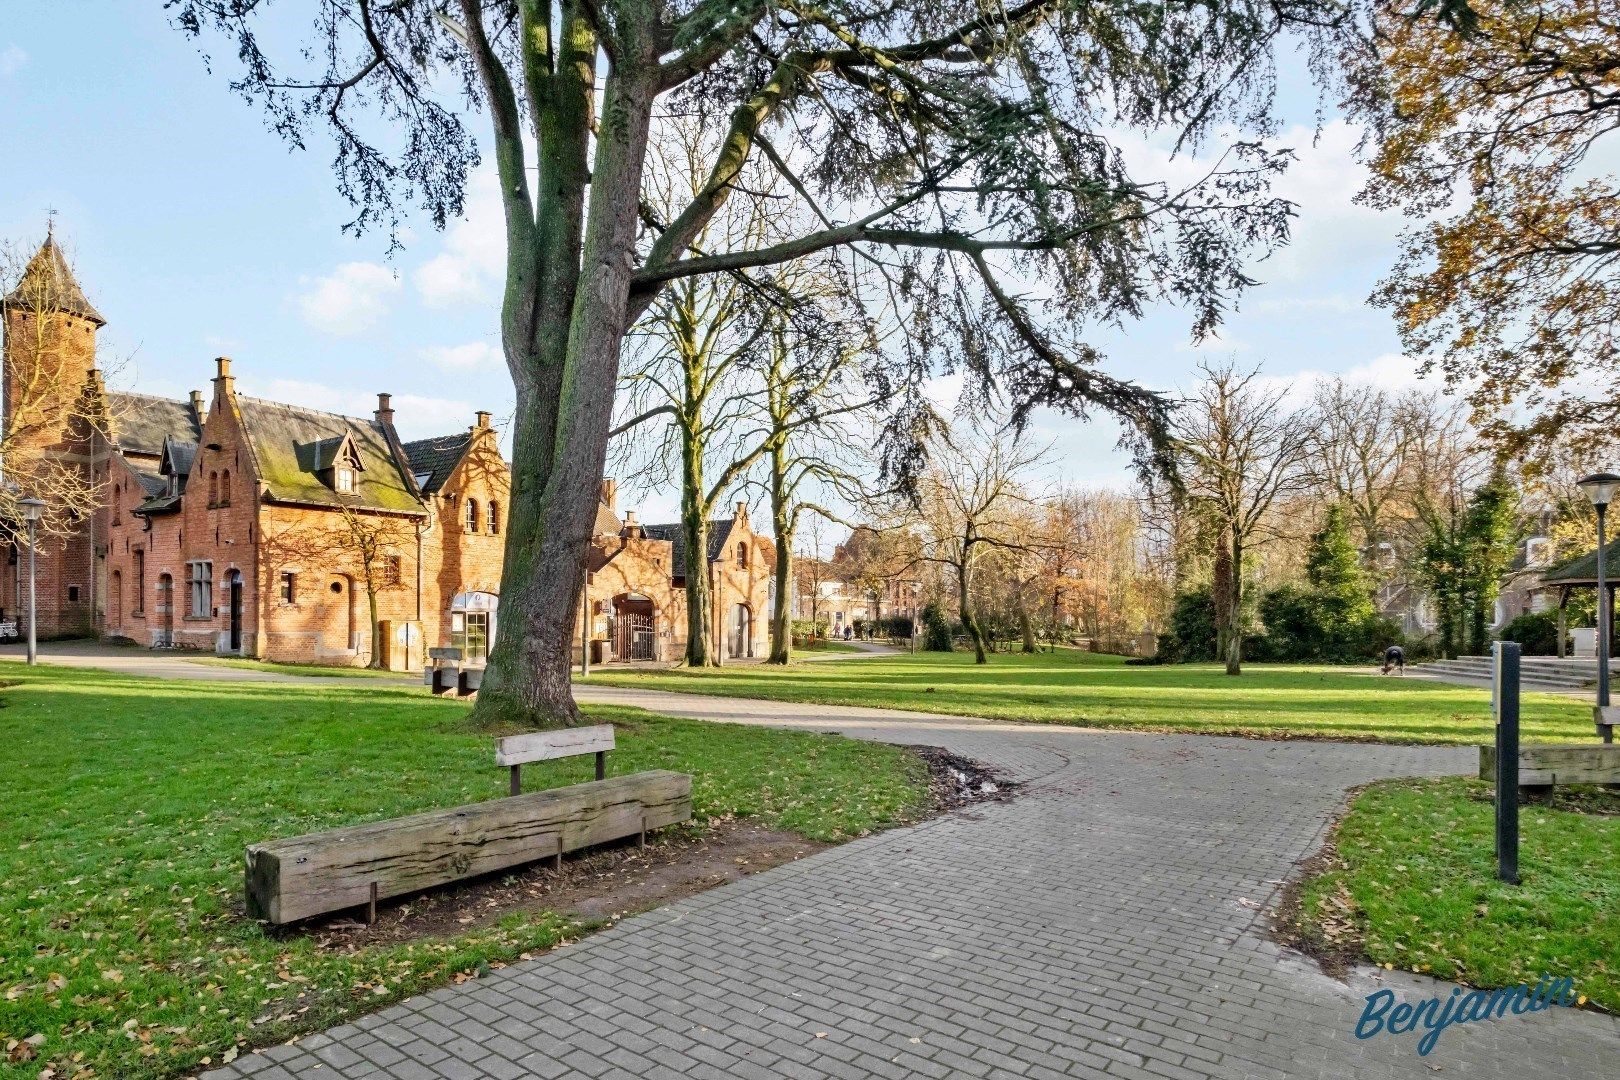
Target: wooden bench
[
  {"x": 516, "y": 751},
  {"x": 1546, "y": 765},
  {"x": 296, "y": 878}
]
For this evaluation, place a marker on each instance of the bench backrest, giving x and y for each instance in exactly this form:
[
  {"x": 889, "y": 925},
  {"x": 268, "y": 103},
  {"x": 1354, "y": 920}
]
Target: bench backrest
[
  {"x": 547, "y": 745},
  {"x": 1607, "y": 715}
]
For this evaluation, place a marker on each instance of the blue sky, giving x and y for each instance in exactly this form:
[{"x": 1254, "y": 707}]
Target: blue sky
[{"x": 198, "y": 233}]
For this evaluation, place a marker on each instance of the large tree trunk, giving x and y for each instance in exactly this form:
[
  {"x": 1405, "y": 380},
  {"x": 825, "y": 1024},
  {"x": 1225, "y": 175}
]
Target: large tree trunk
[
  {"x": 1234, "y": 612},
  {"x": 782, "y": 526},
  {"x": 694, "y": 533},
  {"x": 1027, "y": 626},
  {"x": 560, "y": 439},
  {"x": 964, "y": 572},
  {"x": 1221, "y": 593}
]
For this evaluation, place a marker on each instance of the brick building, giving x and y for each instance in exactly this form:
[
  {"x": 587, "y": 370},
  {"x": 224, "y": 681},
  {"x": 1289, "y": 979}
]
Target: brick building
[
  {"x": 234, "y": 525},
  {"x": 635, "y": 598}
]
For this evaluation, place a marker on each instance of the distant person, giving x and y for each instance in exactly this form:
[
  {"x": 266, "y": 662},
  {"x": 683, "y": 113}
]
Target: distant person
[{"x": 1395, "y": 657}]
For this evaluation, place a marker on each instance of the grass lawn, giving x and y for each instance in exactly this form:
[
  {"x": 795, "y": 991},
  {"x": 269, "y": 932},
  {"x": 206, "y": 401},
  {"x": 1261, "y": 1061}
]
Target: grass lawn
[
  {"x": 126, "y": 803},
  {"x": 1072, "y": 687},
  {"x": 316, "y": 671},
  {"x": 1417, "y": 881}
]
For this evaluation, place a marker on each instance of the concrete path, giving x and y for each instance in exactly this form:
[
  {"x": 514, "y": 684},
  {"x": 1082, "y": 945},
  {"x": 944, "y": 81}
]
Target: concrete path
[
  {"x": 168, "y": 664},
  {"x": 154, "y": 663},
  {"x": 1106, "y": 923}
]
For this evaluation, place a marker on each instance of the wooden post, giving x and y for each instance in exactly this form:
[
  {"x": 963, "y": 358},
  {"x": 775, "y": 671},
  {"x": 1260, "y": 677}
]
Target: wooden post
[
  {"x": 1505, "y": 699},
  {"x": 371, "y": 906},
  {"x": 601, "y": 764},
  {"x": 517, "y": 780}
]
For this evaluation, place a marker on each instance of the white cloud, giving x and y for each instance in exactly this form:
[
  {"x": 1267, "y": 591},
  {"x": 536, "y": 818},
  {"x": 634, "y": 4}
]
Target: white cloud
[
  {"x": 474, "y": 255},
  {"x": 12, "y": 60},
  {"x": 349, "y": 300},
  {"x": 473, "y": 356}
]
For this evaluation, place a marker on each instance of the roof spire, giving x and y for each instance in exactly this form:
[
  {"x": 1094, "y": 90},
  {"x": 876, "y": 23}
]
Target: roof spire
[{"x": 48, "y": 284}]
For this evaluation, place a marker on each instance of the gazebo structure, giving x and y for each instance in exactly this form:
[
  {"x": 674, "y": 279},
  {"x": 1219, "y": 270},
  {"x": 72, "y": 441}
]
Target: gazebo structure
[{"x": 1581, "y": 573}]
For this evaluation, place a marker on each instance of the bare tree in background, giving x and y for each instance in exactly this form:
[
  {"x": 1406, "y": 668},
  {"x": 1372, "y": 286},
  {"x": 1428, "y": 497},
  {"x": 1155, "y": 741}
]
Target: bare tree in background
[
  {"x": 812, "y": 393},
  {"x": 971, "y": 500},
  {"x": 1240, "y": 449},
  {"x": 739, "y": 368},
  {"x": 1360, "y": 439}
]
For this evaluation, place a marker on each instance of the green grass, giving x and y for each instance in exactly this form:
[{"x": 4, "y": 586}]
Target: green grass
[
  {"x": 127, "y": 803},
  {"x": 1071, "y": 687},
  {"x": 314, "y": 671},
  {"x": 1418, "y": 882}
]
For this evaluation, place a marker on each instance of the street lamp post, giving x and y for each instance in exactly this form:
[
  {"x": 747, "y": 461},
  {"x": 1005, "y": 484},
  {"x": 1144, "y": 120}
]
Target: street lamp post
[
  {"x": 1600, "y": 488},
  {"x": 33, "y": 510}
]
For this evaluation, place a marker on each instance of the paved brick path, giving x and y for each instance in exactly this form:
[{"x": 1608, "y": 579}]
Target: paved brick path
[{"x": 1102, "y": 924}]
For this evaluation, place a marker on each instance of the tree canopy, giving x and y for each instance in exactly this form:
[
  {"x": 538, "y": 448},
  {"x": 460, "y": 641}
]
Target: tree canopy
[
  {"x": 1491, "y": 120},
  {"x": 976, "y": 156}
]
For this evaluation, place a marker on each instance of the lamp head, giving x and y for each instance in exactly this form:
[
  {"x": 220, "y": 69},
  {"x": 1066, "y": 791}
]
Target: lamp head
[
  {"x": 1600, "y": 487},
  {"x": 33, "y": 509}
]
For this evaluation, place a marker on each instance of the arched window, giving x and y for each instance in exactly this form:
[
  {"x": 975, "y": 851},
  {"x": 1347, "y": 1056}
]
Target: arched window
[
  {"x": 742, "y": 555},
  {"x": 225, "y": 488},
  {"x": 213, "y": 489},
  {"x": 472, "y": 515},
  {"x": 494, "y": 516}
]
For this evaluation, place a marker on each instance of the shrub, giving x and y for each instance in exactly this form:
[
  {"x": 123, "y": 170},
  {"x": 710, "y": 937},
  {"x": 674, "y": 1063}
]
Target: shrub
[
  {"x": 896, "y": 627},
  {"x": 936, "y": 629},
  {"x": 804, "y": 628},
  {"x": 1191, "y": 637},
  {"x": 1536, "y": 631}
]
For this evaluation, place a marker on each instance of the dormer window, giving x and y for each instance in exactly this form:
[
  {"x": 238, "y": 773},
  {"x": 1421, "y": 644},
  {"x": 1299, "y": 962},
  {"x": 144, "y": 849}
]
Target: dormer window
[{"x": 335, "y": 461}]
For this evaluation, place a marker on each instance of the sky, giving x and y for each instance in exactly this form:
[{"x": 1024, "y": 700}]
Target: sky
[{"x": 197, "y": 233}]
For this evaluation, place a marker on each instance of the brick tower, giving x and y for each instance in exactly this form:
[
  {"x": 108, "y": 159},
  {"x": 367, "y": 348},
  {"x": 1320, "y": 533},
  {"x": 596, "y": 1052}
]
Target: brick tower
[{"x": 50, "y": 444}]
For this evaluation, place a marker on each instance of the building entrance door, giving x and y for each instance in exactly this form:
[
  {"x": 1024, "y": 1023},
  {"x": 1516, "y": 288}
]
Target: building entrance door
[{"x": 236, "y": 611}]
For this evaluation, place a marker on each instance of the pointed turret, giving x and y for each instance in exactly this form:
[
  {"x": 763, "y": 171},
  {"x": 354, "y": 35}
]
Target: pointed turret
[{"x": 49, "y": 285}]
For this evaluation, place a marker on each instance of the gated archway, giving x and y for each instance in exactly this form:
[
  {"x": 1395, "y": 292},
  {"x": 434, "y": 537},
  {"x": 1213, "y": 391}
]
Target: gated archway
[
  {"x": 742, "y": 632},
  {"x": 635, "y": 627}
]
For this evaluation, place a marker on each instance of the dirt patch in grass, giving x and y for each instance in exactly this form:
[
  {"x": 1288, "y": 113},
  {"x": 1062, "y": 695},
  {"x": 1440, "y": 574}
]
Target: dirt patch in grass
[
  {"x": 617, "y": 880},
  {"x": 1335, "y": 940}
]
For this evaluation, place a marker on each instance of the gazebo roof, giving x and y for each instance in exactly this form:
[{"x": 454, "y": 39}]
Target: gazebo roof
[{"x": 1582, "y": 570}]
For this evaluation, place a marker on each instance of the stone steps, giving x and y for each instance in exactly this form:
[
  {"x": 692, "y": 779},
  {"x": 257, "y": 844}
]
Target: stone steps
[{"x": 1535, "y": 672}]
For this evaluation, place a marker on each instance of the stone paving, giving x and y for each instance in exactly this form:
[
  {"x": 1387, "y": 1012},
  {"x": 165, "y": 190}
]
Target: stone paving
[{"x": 1107, "y": 922}]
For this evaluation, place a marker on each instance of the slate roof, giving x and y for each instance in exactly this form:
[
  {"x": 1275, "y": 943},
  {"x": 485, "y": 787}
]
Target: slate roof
[
  {"x": 141, "y": 422},
  {"x": 282, "y": 437},
  {"x": 1582, "y": 570},
  {"x": 48, "y": 283},
  {"x": 719, "y": 529},
  {"x": 436, "y": 458}
]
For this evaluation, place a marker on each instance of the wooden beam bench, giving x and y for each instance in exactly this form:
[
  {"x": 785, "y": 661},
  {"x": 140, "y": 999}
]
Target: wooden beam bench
[
  {"x": 1547, "y": 765},
  {"x": 296, "y": 878}
]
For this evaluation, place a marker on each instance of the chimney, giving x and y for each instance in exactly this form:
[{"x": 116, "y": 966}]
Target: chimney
[
  {"x": 742, "y": 508},
  {"x": 224, "y": 382},
  {"x": 483, "y": 420},
  {"x": 199, "y": 408},
  {"x": 632, "y": 527},
  {"x": 610, "y": 493},
  {"x": 385, "y": 410}
]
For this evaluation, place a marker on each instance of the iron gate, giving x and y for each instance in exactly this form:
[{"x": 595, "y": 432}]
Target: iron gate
[{"x": 633, "y": 637}]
